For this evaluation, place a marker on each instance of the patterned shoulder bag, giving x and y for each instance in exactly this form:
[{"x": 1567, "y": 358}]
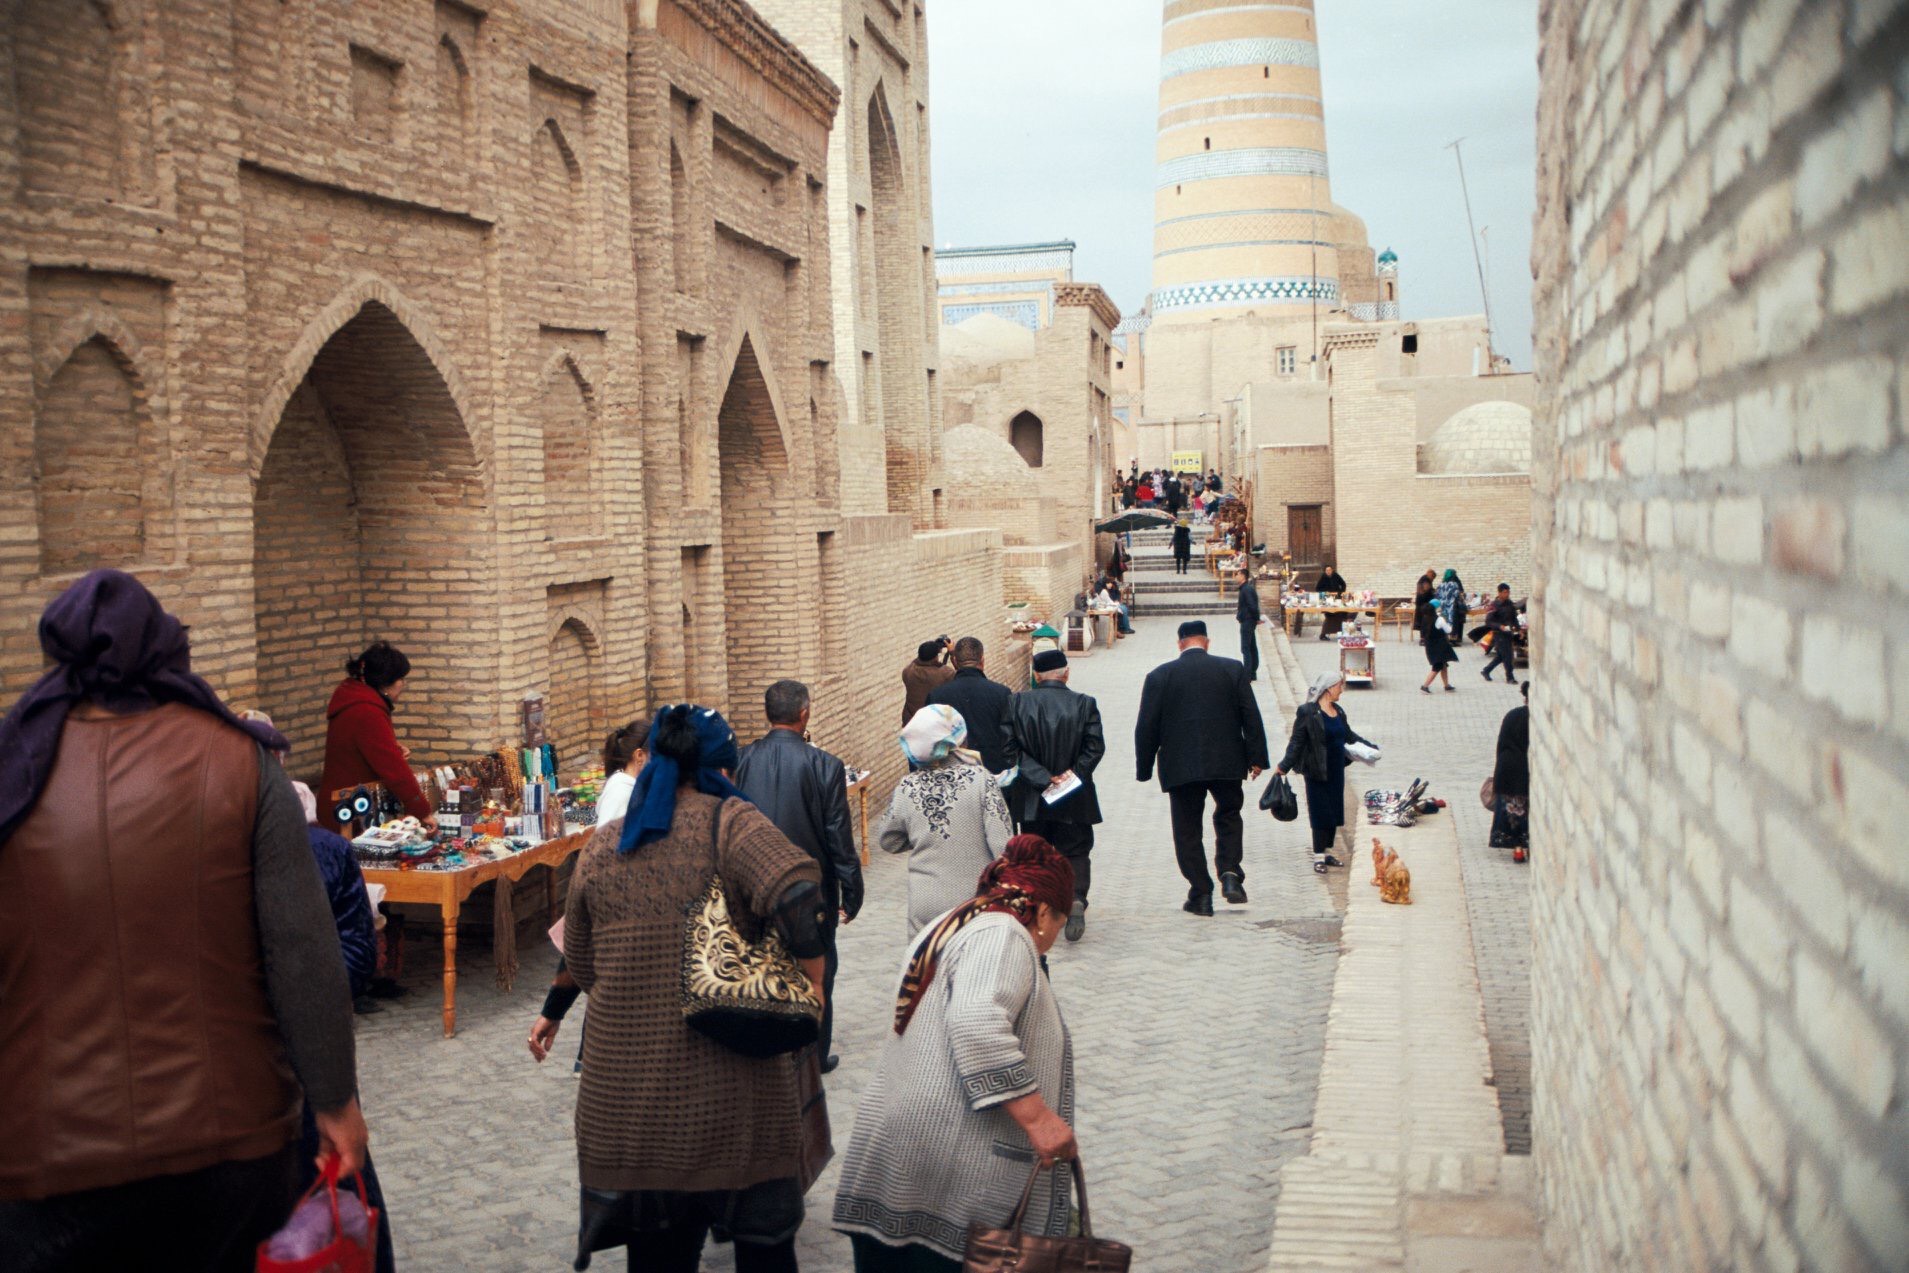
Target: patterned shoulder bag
[{"x": 751, "y": 997}]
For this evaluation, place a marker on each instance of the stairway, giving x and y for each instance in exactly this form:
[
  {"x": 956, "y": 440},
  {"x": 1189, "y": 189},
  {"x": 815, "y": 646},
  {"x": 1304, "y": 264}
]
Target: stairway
[{"x": 1159, "y": 591}]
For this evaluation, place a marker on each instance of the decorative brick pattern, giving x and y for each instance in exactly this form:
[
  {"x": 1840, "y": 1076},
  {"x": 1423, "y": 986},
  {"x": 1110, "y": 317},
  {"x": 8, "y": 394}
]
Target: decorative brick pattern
[
  {"x": 1257, "y": 161},
  {"x": 1720, "y": 921},
  {"x": 1248, "y": 52}
]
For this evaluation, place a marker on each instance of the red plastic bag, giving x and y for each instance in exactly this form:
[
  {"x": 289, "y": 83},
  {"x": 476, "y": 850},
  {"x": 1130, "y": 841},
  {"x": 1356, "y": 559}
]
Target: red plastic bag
[{"x": 323, "y": 1237}]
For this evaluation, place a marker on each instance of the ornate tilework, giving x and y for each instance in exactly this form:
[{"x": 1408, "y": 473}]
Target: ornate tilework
[
  {"x": 1032, "y": 259},
  {"x": 1259, "y": 161},
  {"x": 1026, "y": 313},
  {"x": 1374, "y": 311},
  {"x": 1187, "y": 12},
  {"x": 1244, "y": 52},
  {"x": 1244, "y": 291}
]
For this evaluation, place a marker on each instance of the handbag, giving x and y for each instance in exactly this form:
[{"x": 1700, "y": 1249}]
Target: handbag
[
  {"x": 1278, "y": 799},
  {"x": 1010, "y": 1249},
  {"x": 1488, "y": 794},
  {"x": 751, "y": 997},
  {"x": 317, "y": 1238}
]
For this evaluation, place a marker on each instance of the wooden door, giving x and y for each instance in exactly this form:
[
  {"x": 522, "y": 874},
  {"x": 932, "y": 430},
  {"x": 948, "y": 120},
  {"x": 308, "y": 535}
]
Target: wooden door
[{"x": 1302, "y": 535}]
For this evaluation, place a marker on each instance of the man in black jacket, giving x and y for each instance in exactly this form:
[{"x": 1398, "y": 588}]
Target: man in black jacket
[
  {"x": 1054, "y": 734},
  {"x": 1506, "y": 631},
  {"x": 1199, "y": 717},
  {"x": 1182, "y": 546},
  {"x": 804, "y": 791},
  {"x": 982, "y": 703},
  {"x": 1247, "y": 612}
]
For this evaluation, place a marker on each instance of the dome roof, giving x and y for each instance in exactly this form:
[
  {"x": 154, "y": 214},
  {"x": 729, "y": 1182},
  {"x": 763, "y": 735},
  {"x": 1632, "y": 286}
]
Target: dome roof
[
  {"x": 1388, "y": 257},
  {"x": 973, "y": 457},
  {"x": 1486, "y": 437},
  {"x": 986, "y": 339}
]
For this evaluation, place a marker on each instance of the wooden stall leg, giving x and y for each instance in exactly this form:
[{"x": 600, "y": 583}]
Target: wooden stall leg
[{"x": 450, "y": 970}]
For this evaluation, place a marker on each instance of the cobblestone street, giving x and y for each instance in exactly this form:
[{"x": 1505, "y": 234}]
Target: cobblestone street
[
  {"x": 1198, "y": 1045},
  {"x": 1450, "y": 740}
]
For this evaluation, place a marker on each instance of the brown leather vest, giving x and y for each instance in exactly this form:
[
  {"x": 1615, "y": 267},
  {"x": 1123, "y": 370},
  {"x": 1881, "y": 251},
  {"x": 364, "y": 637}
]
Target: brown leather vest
[{"x": 135, "y": 1037}]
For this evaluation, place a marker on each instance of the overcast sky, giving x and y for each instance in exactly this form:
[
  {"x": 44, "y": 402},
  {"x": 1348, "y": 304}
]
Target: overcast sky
[{"x": 1043, "y": 116}]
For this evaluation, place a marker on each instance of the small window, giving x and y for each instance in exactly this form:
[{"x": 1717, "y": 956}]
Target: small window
[
  {"x": 1266, "y": 72},
  {"x": 1288, "y": 359},
  {"x": 1409, "y": 344},
  {"x": 1176, "y": 190},
  {"x": 1209, "y": 143},
  {"x": 1120, "y": 366}
]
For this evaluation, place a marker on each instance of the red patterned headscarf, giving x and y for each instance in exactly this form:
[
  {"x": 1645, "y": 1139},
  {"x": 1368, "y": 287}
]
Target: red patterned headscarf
[{"x": 1029, "y": 874}]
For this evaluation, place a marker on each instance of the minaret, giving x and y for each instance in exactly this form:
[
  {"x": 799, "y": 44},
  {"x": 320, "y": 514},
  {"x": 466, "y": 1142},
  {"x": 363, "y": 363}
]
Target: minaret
[{"x": 1243, "y": 212}]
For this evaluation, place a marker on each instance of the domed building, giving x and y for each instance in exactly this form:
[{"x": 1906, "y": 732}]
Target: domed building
[{"x": 1486, "y": 437}]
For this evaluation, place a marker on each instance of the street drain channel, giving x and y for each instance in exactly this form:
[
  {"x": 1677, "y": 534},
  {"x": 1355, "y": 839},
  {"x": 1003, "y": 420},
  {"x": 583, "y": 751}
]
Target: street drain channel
[{"x": 1320, "y": 931}]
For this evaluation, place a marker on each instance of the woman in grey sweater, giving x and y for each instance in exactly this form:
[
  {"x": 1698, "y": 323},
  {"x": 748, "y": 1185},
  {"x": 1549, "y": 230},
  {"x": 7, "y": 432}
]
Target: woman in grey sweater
[
  {"x": 976, "y": 1084},
  {"x": 948, "y": 815}
]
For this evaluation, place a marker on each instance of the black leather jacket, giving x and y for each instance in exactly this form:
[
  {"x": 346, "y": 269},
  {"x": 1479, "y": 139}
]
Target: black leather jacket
[
  {"x": 1050, "y": 730},
  {"x": 1306, "y": 750},
  {"x": 804, "y": 791}
]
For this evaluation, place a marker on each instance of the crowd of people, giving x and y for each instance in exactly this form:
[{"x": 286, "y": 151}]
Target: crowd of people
[
  {"x": 139, "y": 814},
  {"x": 1174, "y": 492}
]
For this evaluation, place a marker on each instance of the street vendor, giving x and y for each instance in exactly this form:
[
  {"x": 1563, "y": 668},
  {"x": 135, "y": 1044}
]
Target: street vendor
[
  {"x": 1331, "y": 584},
  {"x": 361, "y": 746}
]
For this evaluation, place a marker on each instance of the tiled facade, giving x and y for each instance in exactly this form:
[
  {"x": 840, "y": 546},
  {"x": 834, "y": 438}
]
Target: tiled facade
[{"x": 1721, "y": 742}]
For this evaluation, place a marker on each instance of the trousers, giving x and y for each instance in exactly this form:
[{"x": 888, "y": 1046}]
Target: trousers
[
  {"x": 1188, "y": 801},
  {"x": 830, "y": 962},
  {"x": 1249, "y": 650},
  {"x": 1075, "y": 841},
  {"x": 1502, "y": 652},
  {"x": 1180, "y": 562},
  {"x": 212, "y": 1219}
]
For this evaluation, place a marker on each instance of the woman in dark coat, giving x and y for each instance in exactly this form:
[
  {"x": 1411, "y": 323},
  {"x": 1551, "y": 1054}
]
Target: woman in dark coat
[
  {"x": 1317, "y": 751},
  {"x": 1511, "y": 782},
  {"x": 1438, "y": 644}
]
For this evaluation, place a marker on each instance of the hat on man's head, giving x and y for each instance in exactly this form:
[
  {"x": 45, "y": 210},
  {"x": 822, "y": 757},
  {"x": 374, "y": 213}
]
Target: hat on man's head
[
  {"x": 1192, "y": 628},
  {"x": 1049, "y": 661}
]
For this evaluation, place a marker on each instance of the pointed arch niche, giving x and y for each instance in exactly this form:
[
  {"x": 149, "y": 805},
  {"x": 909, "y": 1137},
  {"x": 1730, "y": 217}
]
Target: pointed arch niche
[
  {"x": 370, "y": 518},
  {"x": 754, "y": 467}
]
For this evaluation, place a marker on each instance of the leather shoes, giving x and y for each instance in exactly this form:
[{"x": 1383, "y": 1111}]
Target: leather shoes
[
  {"x": 1199, "y": 904},
  {"x": 1076, "y": 921},
  {"x": 829, "y": 1063},
  {"x": 1234, "y": 890}
]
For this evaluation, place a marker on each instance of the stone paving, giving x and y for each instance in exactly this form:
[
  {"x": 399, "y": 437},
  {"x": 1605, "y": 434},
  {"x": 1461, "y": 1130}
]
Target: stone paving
[
  {"x": 1451, "y": 741},
  {"x": 1198, "y": 1045}
]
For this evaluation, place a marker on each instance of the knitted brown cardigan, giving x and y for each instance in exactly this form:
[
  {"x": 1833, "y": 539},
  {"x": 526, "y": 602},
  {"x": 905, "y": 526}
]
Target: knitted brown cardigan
[{"x": 660, "y": 1106}]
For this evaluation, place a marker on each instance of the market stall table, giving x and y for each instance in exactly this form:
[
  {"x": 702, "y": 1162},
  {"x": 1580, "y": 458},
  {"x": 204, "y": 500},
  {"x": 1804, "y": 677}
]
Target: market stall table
[
  {"x": 1293, "y": 612},
  {"x": 447, "y": 890}
]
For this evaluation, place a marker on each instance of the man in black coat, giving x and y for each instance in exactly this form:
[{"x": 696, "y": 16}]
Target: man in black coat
[
  {"x": 1054, "y": 734},
  {"x": 1199, "y": 719},
  {"x": 982, "y": 703},
  {"x": 1182, "y": 546},
  {"x": 804, "y": 791},
  {"x": 1247, "y": 612},
  {"x": 1506, "y": 632}
]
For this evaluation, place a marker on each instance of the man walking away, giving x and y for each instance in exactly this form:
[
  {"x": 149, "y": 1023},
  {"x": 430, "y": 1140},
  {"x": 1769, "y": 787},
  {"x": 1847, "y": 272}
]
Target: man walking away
[
  {"x": 1182, "y": 546},
  {"x": 1502, "y": 619},
  {"x": 804, "y": 791},
  {"x": 1199, "y": 719},
  {"x": 1054, "y": 735},
  {"x": 166, "y": 948},
  {"x": 983, "y": 703},
  {"x": 1247, "y": 612},
  {"x": 929, "y": 669}
]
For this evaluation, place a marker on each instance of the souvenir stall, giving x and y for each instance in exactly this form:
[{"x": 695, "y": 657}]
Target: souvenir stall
[
  {"x": 1297, "y": 603},
  {"x": 497, "y": 816}
]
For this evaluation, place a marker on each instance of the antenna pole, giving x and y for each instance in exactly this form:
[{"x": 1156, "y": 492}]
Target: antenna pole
[{"x": 1472, "y": 226}]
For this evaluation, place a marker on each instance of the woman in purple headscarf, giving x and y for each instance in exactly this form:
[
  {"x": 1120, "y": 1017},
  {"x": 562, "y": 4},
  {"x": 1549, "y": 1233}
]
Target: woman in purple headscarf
[{"x": 166, "y": 948}]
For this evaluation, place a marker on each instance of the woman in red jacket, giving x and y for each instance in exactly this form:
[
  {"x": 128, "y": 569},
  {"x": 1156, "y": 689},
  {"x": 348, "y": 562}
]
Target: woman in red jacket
[{"x": 360, "y": 744}]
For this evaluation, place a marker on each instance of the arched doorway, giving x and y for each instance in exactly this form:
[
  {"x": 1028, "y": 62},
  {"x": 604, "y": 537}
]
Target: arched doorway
[
  {"x": 370, "y": 519},
  {"x": 755, "y": 489},
  {"x": 574, "y": 713},
  {"x": 1028, "y": 436}
]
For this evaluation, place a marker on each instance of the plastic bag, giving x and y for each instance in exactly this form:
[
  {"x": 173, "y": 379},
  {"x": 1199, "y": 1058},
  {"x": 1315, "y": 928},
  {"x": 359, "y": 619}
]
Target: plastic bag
[
  {"x": 333, "y": 1233},
  {"x": 1278, "y": 799}
]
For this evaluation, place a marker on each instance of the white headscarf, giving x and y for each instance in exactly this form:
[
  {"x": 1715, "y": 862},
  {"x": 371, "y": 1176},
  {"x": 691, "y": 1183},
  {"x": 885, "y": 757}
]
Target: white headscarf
[
  {"x": 935, "y": 733},
  {"x": 1321, "y": 683}
]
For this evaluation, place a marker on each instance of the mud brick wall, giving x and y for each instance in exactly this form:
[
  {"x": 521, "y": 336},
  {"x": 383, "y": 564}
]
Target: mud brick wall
[{"x": 1721, "y": 684}]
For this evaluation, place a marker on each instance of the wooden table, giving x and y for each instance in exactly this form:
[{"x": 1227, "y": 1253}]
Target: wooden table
[
  {"x": 1113, "y": 625},
  {"x": 1227, "y": 568},
  {"x": 859, "y": 789},
  {"x": 1359, "y": 664},
  {"x": 447, "y": 890},
  {"x": 1293, "y": 612}
]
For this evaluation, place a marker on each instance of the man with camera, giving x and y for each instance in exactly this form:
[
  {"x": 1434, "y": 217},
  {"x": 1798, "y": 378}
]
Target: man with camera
[{"x": 920, "y": 677}]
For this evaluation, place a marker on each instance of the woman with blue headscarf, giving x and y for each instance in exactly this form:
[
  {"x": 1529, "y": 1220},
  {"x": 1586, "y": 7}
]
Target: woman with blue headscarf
[
  {"x": 948, "y": 815},
  {"x": 678, "y": 1134}
]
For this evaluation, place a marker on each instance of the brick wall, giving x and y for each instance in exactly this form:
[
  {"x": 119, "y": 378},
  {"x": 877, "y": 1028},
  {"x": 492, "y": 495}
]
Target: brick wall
[
  {"x": 1289, "y": 475},
  {"x": 1720, "y": 892}
]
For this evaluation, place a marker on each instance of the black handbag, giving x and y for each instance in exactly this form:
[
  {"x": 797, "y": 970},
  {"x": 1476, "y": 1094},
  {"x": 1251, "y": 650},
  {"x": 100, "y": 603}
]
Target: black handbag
[{"x": 1278, "y": 799}]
